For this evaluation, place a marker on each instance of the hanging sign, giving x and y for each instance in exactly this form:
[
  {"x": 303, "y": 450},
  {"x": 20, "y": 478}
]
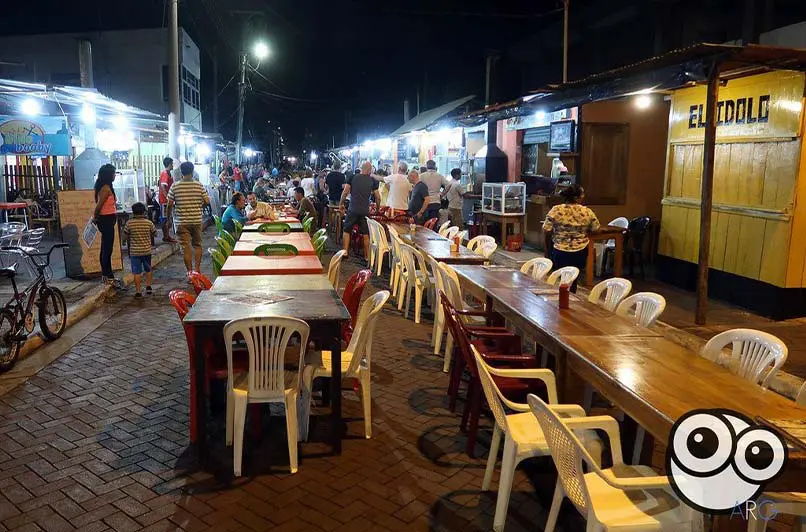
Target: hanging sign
[
  {"x": 37, "y": 137},
  {"x": 756, "y": 107},
  {"x": 536, "y": 120}
]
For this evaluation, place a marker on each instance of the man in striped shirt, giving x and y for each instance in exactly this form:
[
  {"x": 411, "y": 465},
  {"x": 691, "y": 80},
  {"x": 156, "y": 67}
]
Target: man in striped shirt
[
  {"x": 188, "y": 197},
  {"x": 140, "y": 232}
]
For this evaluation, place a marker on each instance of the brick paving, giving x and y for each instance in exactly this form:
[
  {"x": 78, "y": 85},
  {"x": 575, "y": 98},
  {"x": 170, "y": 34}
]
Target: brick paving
[{"x": 98, "y": 441}]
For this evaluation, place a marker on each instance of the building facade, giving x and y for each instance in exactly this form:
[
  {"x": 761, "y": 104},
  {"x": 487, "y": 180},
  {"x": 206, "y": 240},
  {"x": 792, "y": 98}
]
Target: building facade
[{"x": 128, "y": 65}]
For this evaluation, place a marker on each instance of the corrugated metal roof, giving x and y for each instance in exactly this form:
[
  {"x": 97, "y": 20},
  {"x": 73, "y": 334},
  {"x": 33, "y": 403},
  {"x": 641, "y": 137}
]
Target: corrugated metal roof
[{"x": 427, "y": 118}]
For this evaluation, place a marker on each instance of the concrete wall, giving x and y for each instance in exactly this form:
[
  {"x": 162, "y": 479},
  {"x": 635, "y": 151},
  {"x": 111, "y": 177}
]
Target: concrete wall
[
  {"x": 647, "y": 155},
  {"x": 127, "y": 65}
]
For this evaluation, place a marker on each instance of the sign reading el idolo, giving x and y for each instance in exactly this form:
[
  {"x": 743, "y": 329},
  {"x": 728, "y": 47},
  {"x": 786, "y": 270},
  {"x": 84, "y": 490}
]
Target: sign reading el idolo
[
  {"x": 76, "y": 207},
  {"x": 40, "y": 137},
  {"x": 765, "y": 106}
]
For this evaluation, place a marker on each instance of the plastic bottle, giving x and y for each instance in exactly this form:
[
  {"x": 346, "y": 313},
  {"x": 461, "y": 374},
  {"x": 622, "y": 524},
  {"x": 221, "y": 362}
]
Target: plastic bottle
[{"x": 565, "y": 296}]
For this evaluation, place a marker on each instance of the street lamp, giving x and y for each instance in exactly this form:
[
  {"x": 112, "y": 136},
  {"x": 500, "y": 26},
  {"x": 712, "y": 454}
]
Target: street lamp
[{"x": 261, "y": 50}]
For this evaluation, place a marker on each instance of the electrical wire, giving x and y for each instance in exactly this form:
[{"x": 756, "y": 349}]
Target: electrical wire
[{"x": 287, "y": 98}]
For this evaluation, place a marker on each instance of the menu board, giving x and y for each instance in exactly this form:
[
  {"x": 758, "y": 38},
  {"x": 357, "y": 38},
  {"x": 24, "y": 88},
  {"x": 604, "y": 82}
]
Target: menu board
[
  {"x": 562, "y": 136},
  {"x": 75, "y": 209}
]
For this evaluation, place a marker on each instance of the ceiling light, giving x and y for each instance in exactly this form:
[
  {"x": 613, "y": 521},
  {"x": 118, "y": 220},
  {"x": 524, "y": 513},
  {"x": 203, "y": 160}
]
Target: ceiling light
[{"x": 30, "y": 107}]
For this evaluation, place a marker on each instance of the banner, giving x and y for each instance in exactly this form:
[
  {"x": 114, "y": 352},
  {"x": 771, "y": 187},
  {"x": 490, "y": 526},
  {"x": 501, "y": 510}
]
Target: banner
[
  {"x": 536, "y": 120},
  {"x": 37, "y": 137},
  {"x": 756, "y": 107}
]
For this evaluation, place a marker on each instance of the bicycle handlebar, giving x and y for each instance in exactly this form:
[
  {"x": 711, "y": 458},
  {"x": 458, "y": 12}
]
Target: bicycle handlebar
[{"x": 31, "y": 256}]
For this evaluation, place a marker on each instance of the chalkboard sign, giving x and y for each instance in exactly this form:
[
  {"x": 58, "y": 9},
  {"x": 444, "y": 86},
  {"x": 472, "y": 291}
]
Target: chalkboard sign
[
  {"x": 75, "y": 209},
  {"x": 402, "y": 151},
  {"x": 561, "y": 137}
]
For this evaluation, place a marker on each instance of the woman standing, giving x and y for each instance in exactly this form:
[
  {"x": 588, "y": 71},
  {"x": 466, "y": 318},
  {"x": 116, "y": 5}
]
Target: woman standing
[
  {"x": 105, "y": 217},
  {"x": 568, "y": 227}
]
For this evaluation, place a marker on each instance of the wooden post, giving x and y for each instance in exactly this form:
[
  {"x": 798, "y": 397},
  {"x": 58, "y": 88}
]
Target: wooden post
[{"x": 708, "y": 151}]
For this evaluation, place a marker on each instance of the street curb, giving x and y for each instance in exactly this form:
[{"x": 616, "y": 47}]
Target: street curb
[{"x": 79, "y": 311}]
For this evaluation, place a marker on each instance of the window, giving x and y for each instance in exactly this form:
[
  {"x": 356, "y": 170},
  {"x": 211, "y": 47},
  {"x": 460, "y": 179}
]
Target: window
[
  {"x": 605, "y": 160},
  {"x": 190, "y": 89}
]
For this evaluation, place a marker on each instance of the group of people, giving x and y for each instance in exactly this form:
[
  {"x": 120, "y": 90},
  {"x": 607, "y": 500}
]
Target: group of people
[{"x": 184, "y": 202}]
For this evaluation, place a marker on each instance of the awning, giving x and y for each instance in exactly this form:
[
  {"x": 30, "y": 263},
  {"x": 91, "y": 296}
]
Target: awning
[
  {"x": 429, "y": 117},
  {"x": 673, "y": 70}
]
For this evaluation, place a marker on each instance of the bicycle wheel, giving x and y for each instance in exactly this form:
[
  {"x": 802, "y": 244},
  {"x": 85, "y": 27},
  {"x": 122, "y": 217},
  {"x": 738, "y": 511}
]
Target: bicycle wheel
[
  {"x": 52, "y": 312},
  {"x": 9, "y": 345}
]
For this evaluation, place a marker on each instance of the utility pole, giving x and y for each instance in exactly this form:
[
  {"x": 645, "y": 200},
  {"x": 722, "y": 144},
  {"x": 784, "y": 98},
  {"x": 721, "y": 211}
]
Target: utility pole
[
  {"x": 174, "y": 116},
  {"x": 241, "y": 98},
  {"x": 215, "y": 88},
  {"x": 565, "y": 39}
]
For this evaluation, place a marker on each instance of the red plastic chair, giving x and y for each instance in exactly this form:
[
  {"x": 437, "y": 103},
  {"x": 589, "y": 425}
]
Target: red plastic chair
[
  {"x": 352, "y": 300},
  {"x": 430, "y": 224},
  {"x": 200, "y": 282},
  {"x": 216, "y": 368},
  {"x": 499, "y": 348},
  {"x": 357, "y": 241}
]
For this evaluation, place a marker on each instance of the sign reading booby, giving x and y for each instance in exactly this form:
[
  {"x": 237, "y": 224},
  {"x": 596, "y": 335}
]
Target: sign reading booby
[
  {"x": 41, "y": 137},
  {"x": 752, "y": 108}
]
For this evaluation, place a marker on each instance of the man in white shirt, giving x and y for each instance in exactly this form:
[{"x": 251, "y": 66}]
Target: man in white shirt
[
  {"x": 399, "y": 188},
  {"x": 455, "y": 200},
  {"x": 434, "y": 180},
  {"x": 308, "y": 183},
  {"x": 260, "y": 208}
]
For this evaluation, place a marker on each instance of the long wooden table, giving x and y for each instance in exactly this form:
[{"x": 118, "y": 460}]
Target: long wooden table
[
  {"x": 248, "y": 242},
  {"x": 437, "y": 246},
  {"x": 271, "y": 283},
  {"x": 322, "y": 309},
  {"x": 271, "y": 265},
  {"x": 296, "y": 227},
  {"x": 609, "y": 232},
  {"x": 651, "y": 378}
]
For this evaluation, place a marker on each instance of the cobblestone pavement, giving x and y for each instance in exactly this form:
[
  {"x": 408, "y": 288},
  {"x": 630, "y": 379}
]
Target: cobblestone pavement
[{"x": 98, "y": 441}]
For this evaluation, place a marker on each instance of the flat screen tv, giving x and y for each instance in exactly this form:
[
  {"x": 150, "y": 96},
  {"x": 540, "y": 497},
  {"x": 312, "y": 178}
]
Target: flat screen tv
[{"x": 561, "y": 137}]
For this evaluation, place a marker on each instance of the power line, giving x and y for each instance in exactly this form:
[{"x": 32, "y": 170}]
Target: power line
[
  {"x": 289, "y": 98},
  {"x": 267, "y": 80},
  {"x": 211, "y": 101}
]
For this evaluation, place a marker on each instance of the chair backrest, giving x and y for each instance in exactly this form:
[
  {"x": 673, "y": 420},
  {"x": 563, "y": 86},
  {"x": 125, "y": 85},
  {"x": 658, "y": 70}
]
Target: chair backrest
[
  {"x": 636, "y": 231},
  {"x": 451, "y": 286},
  {"x": 569, "y": 455},
  {"x": 266, "y": 342},
  {"x": 431, "y": 223},
  {"x": 460, "y": 337},
  {"x": 11, "y": 233},
  {"x": 444, "y": 228},
  {"x": 491, "y": 391},
  {"x": 353, "y": 290},
  {"x": 643, "y": 307},
  {"x": 564, "y": 275},
  {"x": 274, "y": 227},
  {"x": 238, "y": 229},
  {"x": 200, "y": 282},
  {"x": 486, "y": 250},
  {"x": 218, "y": 224},
  {"x": 380, "y": 235},
  {"x": 364, "y": 329},
  {"x": 408, "y": 257},
  {"x": 334, "y": 268},
  {"x": 477, "y": 241},
  {"x": 181, "y": 301},
  {"x": 34, "y": 237},
  {"x": 218, "y": 260},
  {"x": 451, "y": 233},
  {"x": 463, "y": 235},
  {"x": 755, "y": 355},
  {"x": 223, "y": 246},
  {"x": 319, "y": 245},
  {"x": 537, "y": 268},
  {"x": 614, "y": 290},
  {"x": 226, "y": 235}
]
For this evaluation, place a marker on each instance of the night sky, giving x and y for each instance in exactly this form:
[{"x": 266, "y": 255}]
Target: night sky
[{"x": 340, "y": 64}]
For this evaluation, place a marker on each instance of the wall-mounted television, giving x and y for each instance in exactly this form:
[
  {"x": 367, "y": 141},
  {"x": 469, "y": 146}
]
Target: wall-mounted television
[{"x": 562, "y": 135}]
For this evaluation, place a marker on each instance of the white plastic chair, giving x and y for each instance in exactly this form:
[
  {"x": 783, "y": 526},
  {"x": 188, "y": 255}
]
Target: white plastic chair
[
  {"x": 463, "y": 235},
  {"x": 414, "y": 278},
  {"x": 381, "y": 247},
  {"x": 477, "y": 241},
  {"x": 453, "y": 289},
  {"x": 523, "y": 437},
  {"x": 355, "y": 362},
  {"x": 451, "y": 232},
  {"x": 601, "y": 247},
  {"x": 614, "y": 291},
  {"x": 266, "y": 382},
  {"x": 537, "y": 268},
  {"x": 755, "y": 355},
  {"x": 439, "y": 317},
  {"x": 487, "y": 250},
  {"x": 334, "y": 268},
  {"x": 443, "y": 229},
  {"x": 396, "y": 264},
  {"x": 565, "y": 275},
  {"x": 643, "y": 307},
  {"x": 616, "y": 498}
]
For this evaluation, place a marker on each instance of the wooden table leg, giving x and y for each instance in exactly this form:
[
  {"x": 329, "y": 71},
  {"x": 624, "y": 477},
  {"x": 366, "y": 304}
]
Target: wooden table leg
[
  {"x": 335, "y": 391},
  {"x": 589, "y": 265},
  {"x": 619, "y": 258},
  {"x": 200, "y": 369}
]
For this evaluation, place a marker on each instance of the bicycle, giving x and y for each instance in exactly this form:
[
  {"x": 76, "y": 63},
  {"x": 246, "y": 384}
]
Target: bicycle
[{"x": 17, "y": 315}]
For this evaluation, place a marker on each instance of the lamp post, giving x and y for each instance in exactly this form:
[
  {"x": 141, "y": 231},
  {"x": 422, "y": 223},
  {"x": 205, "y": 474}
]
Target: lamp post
[{"x": 261, "y": 51}]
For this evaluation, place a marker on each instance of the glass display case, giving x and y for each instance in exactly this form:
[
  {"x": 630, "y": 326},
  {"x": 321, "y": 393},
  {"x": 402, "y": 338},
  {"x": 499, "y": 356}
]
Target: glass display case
[
  {"x": 504, "y": 199},
  {"x": 130, "y": 188}
]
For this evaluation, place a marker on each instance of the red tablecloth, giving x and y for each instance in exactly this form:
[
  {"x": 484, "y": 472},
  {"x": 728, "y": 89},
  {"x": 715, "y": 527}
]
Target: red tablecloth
[
  {"x": 13, "y": 205},
  {"x": 252, "y": 265}
]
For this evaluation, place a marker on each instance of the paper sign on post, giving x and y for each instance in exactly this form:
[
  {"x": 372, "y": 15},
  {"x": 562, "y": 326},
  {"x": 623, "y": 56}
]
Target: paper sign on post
[{"x": 90, "y": 232}]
